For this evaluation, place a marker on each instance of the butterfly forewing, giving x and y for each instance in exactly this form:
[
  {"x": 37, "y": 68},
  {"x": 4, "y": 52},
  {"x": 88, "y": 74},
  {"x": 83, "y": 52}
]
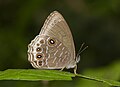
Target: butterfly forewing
[{"x": 56, "y": 26}]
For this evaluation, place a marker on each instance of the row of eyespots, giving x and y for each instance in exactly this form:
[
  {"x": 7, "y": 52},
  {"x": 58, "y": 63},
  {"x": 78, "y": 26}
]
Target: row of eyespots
[
  {"x": 39, "y": 55},
  {"x": 39, "y": 49}
]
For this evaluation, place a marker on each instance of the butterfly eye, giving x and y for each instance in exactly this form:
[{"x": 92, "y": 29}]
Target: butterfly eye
[
  {"x": 39, "y": 56},
  {"x": 39, "y": 49}
]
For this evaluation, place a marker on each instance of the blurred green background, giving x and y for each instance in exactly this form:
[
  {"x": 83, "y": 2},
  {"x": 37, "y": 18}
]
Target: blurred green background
[{"x": 95, "y": 22}]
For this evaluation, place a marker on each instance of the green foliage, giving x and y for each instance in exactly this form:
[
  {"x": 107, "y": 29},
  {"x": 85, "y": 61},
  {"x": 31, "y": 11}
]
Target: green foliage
[
  {"x": 93, "y": 78},
  {"x": 36, "y": 75},
  {"x": 109, "y": 72}
]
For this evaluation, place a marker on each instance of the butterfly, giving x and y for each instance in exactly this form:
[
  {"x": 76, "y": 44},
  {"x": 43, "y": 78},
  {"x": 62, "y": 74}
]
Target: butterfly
[{"x": 54, "y": 47}]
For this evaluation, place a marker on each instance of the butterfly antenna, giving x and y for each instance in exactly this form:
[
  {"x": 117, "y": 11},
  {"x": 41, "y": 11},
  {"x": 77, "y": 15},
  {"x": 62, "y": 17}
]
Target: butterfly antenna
[{"x": 81, "y": 50}]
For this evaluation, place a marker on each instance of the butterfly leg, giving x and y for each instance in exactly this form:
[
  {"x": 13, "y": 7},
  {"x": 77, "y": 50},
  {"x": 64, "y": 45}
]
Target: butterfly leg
[
  {"x": 62, "y": 69},
  {"x": 75, "y": 69}
]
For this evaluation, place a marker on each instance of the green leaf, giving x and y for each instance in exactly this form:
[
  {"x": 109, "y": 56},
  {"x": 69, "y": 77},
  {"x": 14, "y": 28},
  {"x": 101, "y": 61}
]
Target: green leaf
[{"x": 36, "y": 75}]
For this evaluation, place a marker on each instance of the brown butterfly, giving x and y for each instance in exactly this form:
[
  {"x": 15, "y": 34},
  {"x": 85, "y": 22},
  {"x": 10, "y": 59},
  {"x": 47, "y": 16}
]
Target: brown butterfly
[{"x": 53, "y": 48}]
